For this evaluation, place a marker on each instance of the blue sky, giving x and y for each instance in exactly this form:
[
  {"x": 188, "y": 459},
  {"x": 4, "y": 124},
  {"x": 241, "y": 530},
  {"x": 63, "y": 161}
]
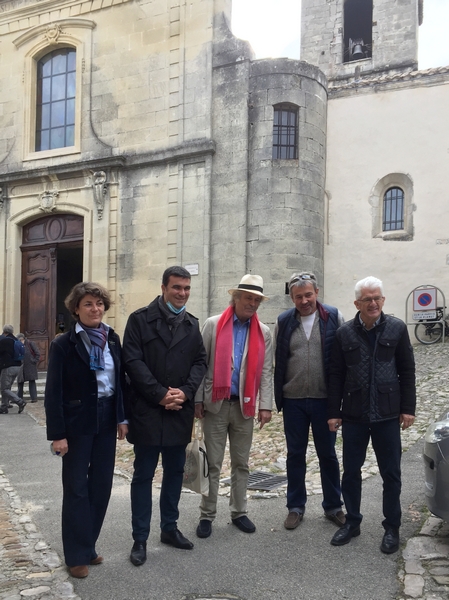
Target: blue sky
[{"x": 273, "y": 28}]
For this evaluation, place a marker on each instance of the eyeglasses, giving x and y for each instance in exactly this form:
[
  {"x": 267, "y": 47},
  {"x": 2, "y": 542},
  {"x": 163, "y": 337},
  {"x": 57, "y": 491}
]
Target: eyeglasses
[{"x": 376, "y": 299}]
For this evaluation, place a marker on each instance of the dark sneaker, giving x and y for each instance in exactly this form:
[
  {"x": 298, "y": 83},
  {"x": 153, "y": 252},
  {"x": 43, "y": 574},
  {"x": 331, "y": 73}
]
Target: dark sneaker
[
  {"x": 204, "y": 528},
  {"x": 244, "y": 524}
]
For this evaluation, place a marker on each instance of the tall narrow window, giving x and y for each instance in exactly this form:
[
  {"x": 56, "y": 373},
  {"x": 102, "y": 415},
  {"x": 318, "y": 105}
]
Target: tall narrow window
[
  {"x": 358, "y": 30},
  {"x": 393, "y": 213},
  {"x": 285, "y": 131},
  {"x": 55, "y": 106}
]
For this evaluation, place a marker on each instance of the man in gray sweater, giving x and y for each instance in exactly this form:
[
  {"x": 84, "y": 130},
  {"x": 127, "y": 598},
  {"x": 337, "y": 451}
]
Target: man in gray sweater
[{"x": 304, "y": 337}]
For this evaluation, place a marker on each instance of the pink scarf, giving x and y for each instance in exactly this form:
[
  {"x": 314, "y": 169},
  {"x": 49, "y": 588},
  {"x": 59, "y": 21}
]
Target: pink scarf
[{"x": 221, "y": 387}]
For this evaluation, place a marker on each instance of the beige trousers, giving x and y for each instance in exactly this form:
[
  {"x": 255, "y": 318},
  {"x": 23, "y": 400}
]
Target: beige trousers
[{"x": 217, "y": 427}]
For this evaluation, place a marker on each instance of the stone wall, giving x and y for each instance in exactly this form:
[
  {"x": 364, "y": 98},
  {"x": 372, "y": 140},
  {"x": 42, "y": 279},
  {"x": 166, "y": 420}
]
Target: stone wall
[
  {"x": 376, "y": 139},
  {"x": 267, "y": 216},
  {"x": 143, "y": 120},
  {"x": 394, "y": 37},
  {"x": 286, "y": 196}
]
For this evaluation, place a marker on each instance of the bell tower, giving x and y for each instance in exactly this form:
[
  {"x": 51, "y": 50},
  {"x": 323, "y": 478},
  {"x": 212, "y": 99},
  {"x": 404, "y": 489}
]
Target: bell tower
[{"x": 347, "y": 38}]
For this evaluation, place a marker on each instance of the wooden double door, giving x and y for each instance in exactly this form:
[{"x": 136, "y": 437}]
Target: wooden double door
[{"x": 52, "y": 263}]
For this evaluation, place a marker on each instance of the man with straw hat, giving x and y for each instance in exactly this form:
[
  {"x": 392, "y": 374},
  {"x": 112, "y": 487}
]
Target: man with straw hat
[{"x": 239, "y": 356}]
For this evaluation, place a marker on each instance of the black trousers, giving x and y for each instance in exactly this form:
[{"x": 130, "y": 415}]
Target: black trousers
[
  {"x": 386, "y": 440},
  {"x": 87, "y": 474}
]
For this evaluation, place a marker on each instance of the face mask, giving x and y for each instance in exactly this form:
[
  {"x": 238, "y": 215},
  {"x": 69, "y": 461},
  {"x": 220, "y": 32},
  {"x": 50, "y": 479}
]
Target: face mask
[{"x": 175, "y": 310}]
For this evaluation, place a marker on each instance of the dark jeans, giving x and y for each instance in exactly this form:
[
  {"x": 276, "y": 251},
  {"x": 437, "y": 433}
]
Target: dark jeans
[
  {"x": 299, "y": 415},
  {"x": 87, "y": 473},
  {"x": 32, "y": 388},
  {"x": 386, "y": 440},
  {"x": 145, "y": 463}
]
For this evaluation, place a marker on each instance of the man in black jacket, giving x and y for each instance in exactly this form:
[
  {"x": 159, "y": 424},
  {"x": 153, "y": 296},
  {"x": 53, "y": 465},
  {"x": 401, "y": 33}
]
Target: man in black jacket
[
  {"x": 165, "y": 360},
  {"x": 9, "y": 370},
  {"x": 372, "y": 392}
]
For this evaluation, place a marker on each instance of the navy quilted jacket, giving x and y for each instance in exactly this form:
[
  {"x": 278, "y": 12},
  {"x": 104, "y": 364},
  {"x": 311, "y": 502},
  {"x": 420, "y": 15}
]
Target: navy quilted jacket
[{"x": 370, "y": 384}]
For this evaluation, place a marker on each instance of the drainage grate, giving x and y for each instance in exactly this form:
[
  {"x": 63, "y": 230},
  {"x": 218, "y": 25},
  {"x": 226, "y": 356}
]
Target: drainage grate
[{"x": 258, "y": 480}]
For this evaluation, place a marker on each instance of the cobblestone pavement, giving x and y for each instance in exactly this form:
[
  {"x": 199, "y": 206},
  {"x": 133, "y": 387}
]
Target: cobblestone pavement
[{"x": 29, "y": 568}]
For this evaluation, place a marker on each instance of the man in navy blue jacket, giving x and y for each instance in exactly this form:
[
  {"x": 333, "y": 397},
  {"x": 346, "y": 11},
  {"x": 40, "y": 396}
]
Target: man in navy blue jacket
[
  {"x": 372, "y": 393},
  {"x": 9, "y": 370},
  {"x": 304, "y": 336}
]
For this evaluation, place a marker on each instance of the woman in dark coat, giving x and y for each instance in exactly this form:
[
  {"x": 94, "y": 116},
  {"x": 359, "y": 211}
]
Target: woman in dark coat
[
  {"x": 28, "y": 371},
  {"x": 85, "y": 414}
]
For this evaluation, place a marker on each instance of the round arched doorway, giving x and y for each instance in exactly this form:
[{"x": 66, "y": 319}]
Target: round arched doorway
[{"x": 52, "y": 262}]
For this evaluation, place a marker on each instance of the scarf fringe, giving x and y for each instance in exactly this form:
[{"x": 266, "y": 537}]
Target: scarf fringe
[{"x": 221, "y": 393}]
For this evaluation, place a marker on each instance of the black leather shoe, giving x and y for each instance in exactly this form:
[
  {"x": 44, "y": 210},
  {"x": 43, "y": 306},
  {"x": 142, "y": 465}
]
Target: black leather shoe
[
  {"x": 176, "y": 539},
  {"x": 22, "y": 406},
  {"x": 204, "y": 528},
  {"x": 3, "y": 410},
  {"x": 345, "y": 534},
  {"x": 390, "y": 541},
  {"x": 244, "y": 524},
  {"x": 138, "y": 553}
]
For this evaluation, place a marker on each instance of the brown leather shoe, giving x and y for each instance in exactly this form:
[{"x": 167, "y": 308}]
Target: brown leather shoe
[
  {"x": 79, "y": 572},
  {"x": 293, "y": 520},
  {"x": 338, "y": 518},
  {"x": 97, "y": 560}
]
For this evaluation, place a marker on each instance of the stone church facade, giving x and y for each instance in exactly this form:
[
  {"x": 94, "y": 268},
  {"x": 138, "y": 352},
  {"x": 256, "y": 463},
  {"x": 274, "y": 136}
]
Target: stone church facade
[
  {"x": 387, "y": 175},
  {"x": 135, "y": 134}
]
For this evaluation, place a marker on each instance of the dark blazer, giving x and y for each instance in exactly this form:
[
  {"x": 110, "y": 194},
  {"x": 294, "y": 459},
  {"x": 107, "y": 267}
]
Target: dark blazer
[
  {"x": 154, "y": 361},
  {"x": 71, "y": 401}
]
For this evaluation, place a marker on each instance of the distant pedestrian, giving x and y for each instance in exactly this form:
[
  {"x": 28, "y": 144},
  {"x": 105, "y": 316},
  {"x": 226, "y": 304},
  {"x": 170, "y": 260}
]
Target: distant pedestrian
[
  {"x": 10, "y": 365},
  {"x": 236, "y": 388},
  {"x": 372, "y": 392},
  {"x": 28, "y": 370},
  {"x": 303, "y": 338}
]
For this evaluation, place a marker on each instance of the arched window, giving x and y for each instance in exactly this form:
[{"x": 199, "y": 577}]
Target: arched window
[
  {"x": 285, "y": 131},
  {"x": 55, "y": 105},
  {"x": 393, "y": 209}
]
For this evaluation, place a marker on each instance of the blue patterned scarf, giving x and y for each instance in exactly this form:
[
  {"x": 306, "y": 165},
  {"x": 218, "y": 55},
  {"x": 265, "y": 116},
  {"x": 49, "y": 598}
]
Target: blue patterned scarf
[{"x": 98, "y": 337}]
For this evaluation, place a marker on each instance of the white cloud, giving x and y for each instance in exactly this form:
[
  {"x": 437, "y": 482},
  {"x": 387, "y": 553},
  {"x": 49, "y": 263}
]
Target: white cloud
[
  {"x": 433, "y": 47},
  {"x": 271, "y": 26}
]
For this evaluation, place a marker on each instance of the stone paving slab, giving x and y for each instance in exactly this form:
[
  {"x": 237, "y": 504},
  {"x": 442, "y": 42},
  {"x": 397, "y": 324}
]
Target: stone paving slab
[{"x": 29, "y": 568}]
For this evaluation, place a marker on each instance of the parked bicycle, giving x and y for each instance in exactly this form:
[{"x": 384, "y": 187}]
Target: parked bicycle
[{"x": 430, "y": 333}]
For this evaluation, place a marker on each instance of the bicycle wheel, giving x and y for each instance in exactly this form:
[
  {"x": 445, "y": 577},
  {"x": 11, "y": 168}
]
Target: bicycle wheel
[{"x": 429, "y": 333}]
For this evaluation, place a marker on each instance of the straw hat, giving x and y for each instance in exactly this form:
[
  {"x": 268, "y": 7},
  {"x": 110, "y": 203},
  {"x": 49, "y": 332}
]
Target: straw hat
[{"x": 252, "y": 284}]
